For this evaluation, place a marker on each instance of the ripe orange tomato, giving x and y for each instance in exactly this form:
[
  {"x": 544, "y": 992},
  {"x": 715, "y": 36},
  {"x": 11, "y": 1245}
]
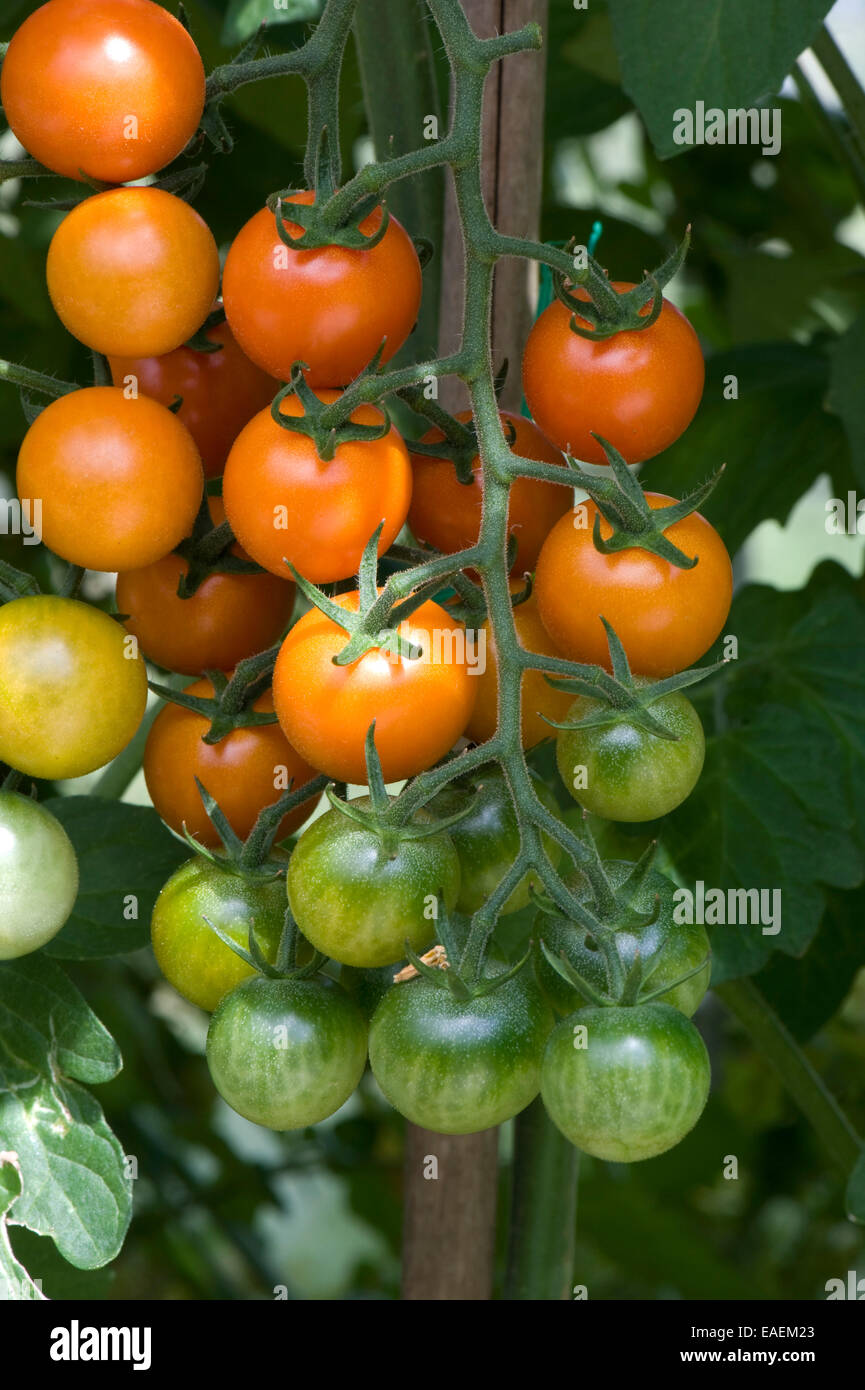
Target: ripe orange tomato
[
  {"x": 229, "y": 617},
  {"x": 330, "y": 308},
  {"x": 132, "y": 272},
  {"x": 221, "y": 391},
  {"x": 285, "y": 503},
  {"x": 639, "y": 390},
  {"x": 120, "y": 480},
  {"x": 420, "y": 707},
  {"x": 103, "y": 89},
  {"x": 538, "y": 697},
  {"x": 447, "y": 513},
  {"x": 246, "y": 771},
  {"x": 664, "y": 617}
]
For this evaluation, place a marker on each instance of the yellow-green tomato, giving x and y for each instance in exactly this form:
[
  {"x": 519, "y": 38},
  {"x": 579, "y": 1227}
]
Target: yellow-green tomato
[
  {"x": 38, "y": 876},
  {"x": 358, "y": 895},
  {"x": 73, "y": 687},
  {"x": 191, "y": 956}
]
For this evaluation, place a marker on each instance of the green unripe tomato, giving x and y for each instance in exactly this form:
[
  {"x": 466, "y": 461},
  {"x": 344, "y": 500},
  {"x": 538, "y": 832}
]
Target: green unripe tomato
[
  {"x": 358, "y": 897},
  {"x": 488, "y": 839},
  {"x": 625, "y": 1084},
  {"x": 38, "y": 876},
  {"x": 629, "y": 773},
  {"x": 456, "y": 1067},
  {"x": 286, "y": 1053},
  {"x": 191, "y": 956},
  {"x": 677, "y": 948}
]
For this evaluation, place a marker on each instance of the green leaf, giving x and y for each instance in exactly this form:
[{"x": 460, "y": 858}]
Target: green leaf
[
  {"x": 732, "y": 54},
  {"x": 781, "y": 803},
  {"x": 846, "y": 398},
  {"x": 244, "y": 17},
  {"x": 855, "y": 1195},
  {"x": 125, "y": 855},
  {"x": 776, "y": 438},
  {"x": 15, "y": 1282},
  {"x": 71, "y": 1167},
  {"x": 807, "y": 992}
]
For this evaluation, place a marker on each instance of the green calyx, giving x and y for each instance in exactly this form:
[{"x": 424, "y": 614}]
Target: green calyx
[
  {"x": 608, "y": 311},
  {"x": 199, "y": 342},
  {"x": 208, "y": 551},
  {"x": 624, "y": 698},
  {"x": 287, "y": 965},
  {"x": 320, "y": 226},
  {"x": 231, "y": 705},
  {"x": 622, "y": 503},
  {"x": 462, "y": 986},
  {"x": 317, "y": 421}
]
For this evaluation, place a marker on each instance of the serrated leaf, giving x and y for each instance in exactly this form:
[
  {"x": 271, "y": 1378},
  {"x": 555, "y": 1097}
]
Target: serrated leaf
[
  {"x": 780, "y": 804},
  {"x": 124, "y": 853},
  {"x": 73, "y": 1184},
  {"x": 244, "y": 17},
  {"x": 855, "y": 1194},
  {"x": 776, "y": 438},
  {"x": 730, "y": 54}
]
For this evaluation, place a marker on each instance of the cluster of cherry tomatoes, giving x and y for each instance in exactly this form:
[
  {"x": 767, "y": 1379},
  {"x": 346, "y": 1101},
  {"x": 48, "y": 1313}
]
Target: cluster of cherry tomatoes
[{"x": 112, "y": 90}]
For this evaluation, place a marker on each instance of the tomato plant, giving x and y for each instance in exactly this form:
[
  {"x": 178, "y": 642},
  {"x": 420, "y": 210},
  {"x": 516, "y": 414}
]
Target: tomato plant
[
  {"x": 332, "y": 308},
  {"x": 628, "y": 1086},
  {"x": 286, "y": 1053},
  {"x": 132, "y": 272},
  {"x": 540, "y": 701},
  {"x": 664, "y": 616},
  {"x": 639, "y": 389},
  {"x": 119, "y": 480},
  {"x": 244, "y": 771},
  {"x": 38, "y": 876},
  {"x": 188, "y": 951},
  {"x": 219, "y": 389},
  {"x": 103, "y": 89},
  {"x": 72, "y": 689},
  {"x": 287, "y": 504}
]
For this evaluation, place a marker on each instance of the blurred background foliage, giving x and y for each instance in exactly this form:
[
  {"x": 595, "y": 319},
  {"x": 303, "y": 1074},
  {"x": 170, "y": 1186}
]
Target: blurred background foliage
[{"x": 775, "y": 283}]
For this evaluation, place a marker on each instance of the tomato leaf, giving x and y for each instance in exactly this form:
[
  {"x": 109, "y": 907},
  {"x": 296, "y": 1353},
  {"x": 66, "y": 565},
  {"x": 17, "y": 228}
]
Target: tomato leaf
[
  {"x": 73, "y": 1185},
  {"x": 244, "y": 17},
  {"x": 806, "y": 992},
  {"x": 781, "y": 803},
  {"x": 736, "y": 56},
  {"x": 776, "y": 438},
  {"x": 125, "y": 855}
]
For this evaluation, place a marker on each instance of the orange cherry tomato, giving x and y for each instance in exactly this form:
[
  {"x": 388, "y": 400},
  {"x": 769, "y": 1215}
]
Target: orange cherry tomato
[
  {"x": 638, "y": 390},
  {"x": 246, "y": 771},
  {"x": 132, "y": 272},
  {"x": 285, "y": 503},
  {"x": 420, "y": 707},
  {"x": 665, "y": 617},
  {"x": 103, "y": 89},
  {"x": 221, "y": 391},
  {"x": 331, "y": 308},
  {"x": 447, "y": 513},
  {"x": 120, "y": 480},
  {"x": 229, "y": 617},
  {"x": 538, "y": 697}
]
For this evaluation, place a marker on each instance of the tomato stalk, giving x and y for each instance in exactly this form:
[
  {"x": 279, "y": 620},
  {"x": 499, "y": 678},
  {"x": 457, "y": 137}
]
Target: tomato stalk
[{"x": 540, "y": 1261}]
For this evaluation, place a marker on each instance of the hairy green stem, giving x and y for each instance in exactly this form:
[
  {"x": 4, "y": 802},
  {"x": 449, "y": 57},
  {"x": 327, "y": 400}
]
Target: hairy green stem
[{"x": 540, "y": 1262}]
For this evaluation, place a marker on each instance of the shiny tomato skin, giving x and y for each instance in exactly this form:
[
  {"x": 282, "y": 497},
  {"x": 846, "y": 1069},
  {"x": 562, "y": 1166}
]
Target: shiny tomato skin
[
  {"x": 635, "y": 1089},
  {"x": 331, "y": 307},
  {"x": 229, "y": 617},
  {"x": 221, "y": 391},
  {"x": 79, "y": 73},
  {"x": 454, "y": 1067},
  {"x": 191, "y": 956},
  {"x": 285, "y": 503},
  {"x": 638, "y": 389},
  {"x": 665, "y": 617},
  {"x": 72, "y": 690},
  {"x": 447, "y": 513},
  {"x": 38, "y": 875},
  {"x": 358, "y": 898},
  {"x": 120, "y": 480},
  {"x": 286, "y": 1053},
  {"x": 539, "y": 698},
  {"x": 240, "y": 771},
  {"x": 631, "y": 774},
  {"x": 420, "y": 707},
  {"x": 669, "y": 948},
  {"x": 132, "y": 272}
]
